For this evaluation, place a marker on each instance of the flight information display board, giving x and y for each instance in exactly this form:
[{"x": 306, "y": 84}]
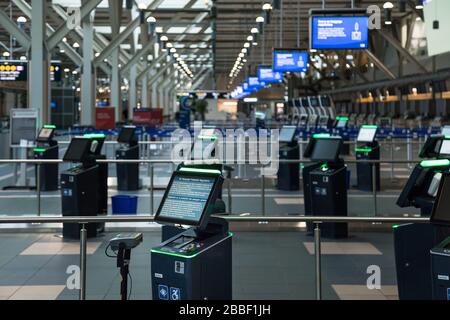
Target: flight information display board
[
  {"x": 267, "y": 75},
  {"x": 339, "y": 32},
  {"x": 254, "y": 83},
  {"x": 290, "y": 61},
  {"x": 13, "y": 71}
]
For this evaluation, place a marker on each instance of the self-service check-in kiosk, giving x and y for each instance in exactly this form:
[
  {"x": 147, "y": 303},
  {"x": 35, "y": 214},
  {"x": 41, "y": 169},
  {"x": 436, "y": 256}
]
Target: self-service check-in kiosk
[
  {"x": 413, "y": 242},
  {"x": 79, "y": 186},
  {"x": 288, "y": 176},
  {"x": 195, "y": 264},
  {"x": 127, "y": 173},
  {"x": 440, "y": 254},
  {"x": 367, "y": 149},
  {"x": 328, "y": 184},
  {"x": 46, "y": 149}
]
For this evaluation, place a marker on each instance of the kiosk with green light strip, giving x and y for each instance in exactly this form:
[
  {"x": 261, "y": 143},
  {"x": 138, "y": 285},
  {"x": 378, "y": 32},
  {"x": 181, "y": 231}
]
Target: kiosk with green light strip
[
  {"x": 413, "y": 242},
  {"x": 47, "y": 149},
  {"x": 195, "y": 264},
  {"x": 326, "y": 185},
  {"x": 367, "y": 149}
]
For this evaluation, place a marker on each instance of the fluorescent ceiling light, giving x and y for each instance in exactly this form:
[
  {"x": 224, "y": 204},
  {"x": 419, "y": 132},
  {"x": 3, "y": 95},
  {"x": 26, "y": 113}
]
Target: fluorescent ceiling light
[
  {"x": 176, "y": 30},
  {"x": 173, "y": 4},
  {"x": 194, "y": 30}
]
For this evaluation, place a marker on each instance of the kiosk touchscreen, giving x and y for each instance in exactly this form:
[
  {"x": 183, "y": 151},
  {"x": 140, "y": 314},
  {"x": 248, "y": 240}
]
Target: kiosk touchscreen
[
  {"x": 288, "y": 175},
  {"x": 194, "y": 264},
  {"x": 47, "y": 149},
  {"x": 367, "y": 149},
  {"x": 128, "y": 173},
  {"x": 79, "y": 187},
  {"x": 445, "y": 131},
  {"x": 327, "y": 183},
  {"x": 367, "y": 134},
  {"x": 341, "y": 122}
]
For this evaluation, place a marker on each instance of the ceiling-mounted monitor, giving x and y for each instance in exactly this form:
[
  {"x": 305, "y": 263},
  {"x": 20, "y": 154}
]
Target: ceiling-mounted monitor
[
  {"x": 332, "y": 31},
  {"x": 290, "y": 60},
  {"x": 267, "y": 75}
]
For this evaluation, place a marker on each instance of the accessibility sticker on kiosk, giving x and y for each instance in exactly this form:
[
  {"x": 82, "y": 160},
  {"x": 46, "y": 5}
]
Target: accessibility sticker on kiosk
[
  {"x": 448, "y": 294},
  {"x": 175, "y": 294},
  {"x": 163, "y": 292}
]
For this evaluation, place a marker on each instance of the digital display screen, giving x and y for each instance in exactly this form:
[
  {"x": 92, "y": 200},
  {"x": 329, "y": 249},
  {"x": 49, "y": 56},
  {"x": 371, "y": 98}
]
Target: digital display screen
[
  {"x": 366, "y": 134},
  {"x": 290, "y": 61},
  {"x": 287, "y": 133},
  {"x": 441, "y": 209},
  {"x": 13, "y": 71},
  {"x": 77, "y": 150},
  {"x": 341, "y": 124},
  {"x": 345, "y": 32},
  {"x": 445, "y": 131},
  {"x": 445, "y": 148},
  {"x": 305, "y": 102},
  {"x": 187, "y": 198},
  {"x": 266, "y": 74},
  {"x": 245, "y": 86},
  {"x": 45, "y": 134},
  {"x": 326, "y": 150},
  {"x": 126, "y": 135},
  {"x": 254, "y": 83},
  {"x": 313, "y": 101},
  {"x": 55, "y": 72}
]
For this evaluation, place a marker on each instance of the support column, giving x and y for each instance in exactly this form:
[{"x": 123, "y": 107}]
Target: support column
[
  {"x": 88, "y": 82},
  {"x": 132, "y": 92},
  {"x": 39, "y": 78},
  {"x": 115, "y": 83},
  {"x": 154, "y": 95},
  {"x": 144, "y": 92}
]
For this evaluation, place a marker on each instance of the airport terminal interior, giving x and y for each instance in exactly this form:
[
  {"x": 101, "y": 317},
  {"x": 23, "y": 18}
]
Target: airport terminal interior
[{"x": 224, "y": 150}]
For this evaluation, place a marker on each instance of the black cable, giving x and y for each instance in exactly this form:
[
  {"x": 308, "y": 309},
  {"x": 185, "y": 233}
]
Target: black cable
[
  {"x": 107, "y": 254},
  {"x": 131, "y": 284}
]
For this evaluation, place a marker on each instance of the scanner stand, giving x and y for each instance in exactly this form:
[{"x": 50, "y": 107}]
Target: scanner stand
[{"x": 123, "y": 262}]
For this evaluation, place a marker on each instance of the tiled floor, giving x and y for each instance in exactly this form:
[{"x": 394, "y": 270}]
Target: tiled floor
[
  {"x": 359, "y": 292},
  {"x": 340, "y": 248},
  {"x": 266, "y": 265}
]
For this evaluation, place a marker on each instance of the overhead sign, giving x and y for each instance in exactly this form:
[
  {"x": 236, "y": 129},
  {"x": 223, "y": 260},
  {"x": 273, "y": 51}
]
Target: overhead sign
[
  {"x": 23, "y": 125},
  {"x": 339, "y": 32},
  {"x": 151, "y": 117},
  {"x": 267, "y": 75},
  {"x": 55, "y": 72},
  {"x": 13, "y": 71},
  {"x": 105, "y": 118},
  {"x": 290, "y": 61},
  {"x": 254, "y": 84}
]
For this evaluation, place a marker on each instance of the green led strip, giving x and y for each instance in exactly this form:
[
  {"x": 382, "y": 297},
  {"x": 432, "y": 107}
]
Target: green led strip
[
  {"x": 369, "y": 127},
  {"x": 207, "y": 138},
  {"x": 342, "y": 118},
  {"x": 49, "y": 126},
  {"x": 395, "y": 226},
  {"x": 200, "y": 170},
  {"x": 435, "y": 163},
  {"x": 363, "y": 149},
  {"x": 39, "y": 150},
  {"x": 94, "y": 136},
  {"x": 179, "y": 255},
  {"x": 321, "y": 135}
]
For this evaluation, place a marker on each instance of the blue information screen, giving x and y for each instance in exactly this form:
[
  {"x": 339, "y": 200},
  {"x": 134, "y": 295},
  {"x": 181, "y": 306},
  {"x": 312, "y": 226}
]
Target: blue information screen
[
  {"x": 339, "y": 32},
  {"x": 290, "y": 61},
  {"x": 266, "y": 74},
  {"x": 254, "y": 83}
]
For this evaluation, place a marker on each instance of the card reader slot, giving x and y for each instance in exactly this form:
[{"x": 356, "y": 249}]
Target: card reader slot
[{"x": 181, "y": 242}]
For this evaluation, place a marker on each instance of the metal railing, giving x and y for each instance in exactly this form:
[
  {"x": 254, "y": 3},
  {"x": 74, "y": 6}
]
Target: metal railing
[
  {"x": 317, "y": 221},
  {"x": 151, "y": 163}
]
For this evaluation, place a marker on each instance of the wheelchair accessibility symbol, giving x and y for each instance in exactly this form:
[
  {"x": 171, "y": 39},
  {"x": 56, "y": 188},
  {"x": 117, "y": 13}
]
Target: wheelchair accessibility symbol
[{"x": 175, "y": 294}]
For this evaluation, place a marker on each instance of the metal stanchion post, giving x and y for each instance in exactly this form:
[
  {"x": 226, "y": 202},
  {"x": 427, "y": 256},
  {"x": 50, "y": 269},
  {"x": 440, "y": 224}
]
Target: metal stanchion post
[
  {"x": 392, "y": 158},
  {"x": 230, "y": 203},
  {"x": 83, "y": 255},
  {"x": 409, "y": 150},
  {"x": 317, "y": 253},
  {"x": 152, "y": 194},
  {"x": 263, "y": 194},
  {"x": 374, "y": 189},
  {"x": 38, "y": 188}
]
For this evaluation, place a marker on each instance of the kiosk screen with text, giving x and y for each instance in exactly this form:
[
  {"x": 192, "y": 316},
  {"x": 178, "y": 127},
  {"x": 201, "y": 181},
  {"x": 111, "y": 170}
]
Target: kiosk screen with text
[
  {"x": 187, "y": 198},
  {"x": 366, "y": 135},
  {"x": 346, "y": 32},
  {"x": 445, "y": 147}
]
